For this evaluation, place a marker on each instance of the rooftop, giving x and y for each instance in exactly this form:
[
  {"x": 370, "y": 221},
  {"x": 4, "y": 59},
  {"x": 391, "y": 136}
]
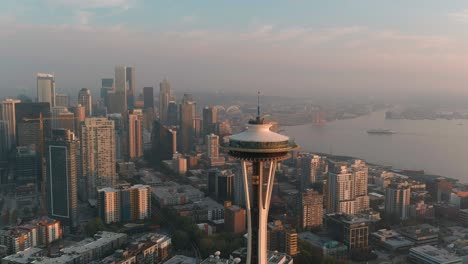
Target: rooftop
[
  {"x": 24, "y": 256},
  {"x": 179, "y": 259},
  {"x": 435, "y": 255}
]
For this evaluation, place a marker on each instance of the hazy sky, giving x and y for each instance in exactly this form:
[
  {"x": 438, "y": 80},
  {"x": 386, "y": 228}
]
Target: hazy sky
[{"x": 283, "y": 47}]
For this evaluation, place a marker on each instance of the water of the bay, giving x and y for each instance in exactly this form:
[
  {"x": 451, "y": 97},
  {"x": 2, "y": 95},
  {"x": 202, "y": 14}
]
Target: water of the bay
[{"x": 436, "y": 146}]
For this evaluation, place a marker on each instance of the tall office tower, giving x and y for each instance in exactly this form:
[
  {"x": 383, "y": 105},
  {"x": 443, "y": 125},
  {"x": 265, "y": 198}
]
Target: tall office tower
[
  {"x": 62, "y": 182},
  {"x": 119, "y": 136},
  {"x": 27, "y": 166},
  {"x": 46, "y": 88},
  {"x": 260, "y": 146},
  {"x": 397, "y": 201},
  {"x": 85, "y": 99},
  {"x": 148, "y": 97},
  {"x": 118, "y": 99},
  {"x": 209, "y": 120},
  {"x": 197, "y": 128},
  {"x": 135, "y": 136},
  {"x": 165, "y": 96},
  {"x": 341, "y": 193},
  {"x": 164, "y": 142},
  {"x": 221, "y": 184},
  {"x": 108, "y": 204},
  {"x": 281, "y": 238},
  {"x": 98, "y": 153},
  {"x": 311, "y": 208},
  {"x": 28, "y": 132},
  {"x": 9, "y": 115},
  {"x": 62, "y": 100},
  {"x": 234, "y": 218},
  {"x": 130, "y": 80},
  {"x": 107, "y": 85},
  {"x": 80, "y": 115},
  {"x": 172, "y": 114},
  {"x": 360, "y": 175},
  {"x": 212, "y": 142},
  {"x": 4, "y": 140},
  {"x": 313, "y": 168},
  {"x": 56, "y": 111},
  {"x": 66, "y": 119},
  {"x": 187, "y": 115}
]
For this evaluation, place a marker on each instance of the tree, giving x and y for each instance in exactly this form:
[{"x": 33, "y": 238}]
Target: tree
[
  {"x": 181, "y": 240},
  {"x": 93, "y": 226}
]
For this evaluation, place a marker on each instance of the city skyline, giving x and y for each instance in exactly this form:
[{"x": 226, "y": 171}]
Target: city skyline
[{"x": 373, "y": 48}]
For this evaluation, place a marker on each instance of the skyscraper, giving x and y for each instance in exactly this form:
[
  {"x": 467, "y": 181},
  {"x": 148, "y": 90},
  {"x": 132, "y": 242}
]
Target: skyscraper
[
  {"x": 209, "y": 120},
  {"x": 80, "y": 115},
  {"x": 135, "y": 135},
  {"x": 313, "y": 167},
  {"x": 148, "y": 97},
  {"x": 187, "y": 115},
  {"x": 107, "y": 85},
  {"x": 311, "y": 208},
  {"x": 360, "y": 175},
  {"x": 130, "y": 81},
  {"x": 172, "y": 114},
  {"x": 62, "y": 100},
  {"x": 119, "y": 136},
  {"x": 62, "y": 186},
  {"x": 164, "y": 142},
  {"x": 164, "y": 98},
  {"x": 4, "y": 141},
  {"x": 119, "y": 99},
  {"x": 397, "y": 201},
  {"x": 46, "y": 88},
  {"x": 56, "y": 111},
  {"x": 98, "y": 153},
  {"x": 341, "y": 194},
  {"x": 28, "y": 133},
  {"x": 212, "y": 142},
  {"x": 85, "y": 99},
  {"x": 27, "y": 166},
  {"x": 124, "y": 203},
  {"x": 9, "y": 115}
]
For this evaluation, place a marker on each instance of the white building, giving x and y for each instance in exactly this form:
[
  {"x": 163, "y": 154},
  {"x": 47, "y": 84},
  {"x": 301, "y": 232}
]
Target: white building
[{"x": 46, "y": 88}]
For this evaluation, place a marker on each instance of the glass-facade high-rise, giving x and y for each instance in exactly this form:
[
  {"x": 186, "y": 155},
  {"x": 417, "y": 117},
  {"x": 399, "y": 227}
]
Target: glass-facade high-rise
[{"x": 46, "y": 88}]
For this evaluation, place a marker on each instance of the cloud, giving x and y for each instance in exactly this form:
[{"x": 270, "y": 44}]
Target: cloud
[
  {"x": 459, "y": 16},
  {"x": 284, "y": 59},
  {"x": 87, "y": 4}
]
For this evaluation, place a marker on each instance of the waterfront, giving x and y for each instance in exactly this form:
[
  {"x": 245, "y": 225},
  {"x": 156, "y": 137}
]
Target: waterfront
[{"x": 436, "y": 146}]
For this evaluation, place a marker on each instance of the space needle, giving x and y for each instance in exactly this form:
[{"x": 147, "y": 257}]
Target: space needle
[{"x": 264, "y": 149}]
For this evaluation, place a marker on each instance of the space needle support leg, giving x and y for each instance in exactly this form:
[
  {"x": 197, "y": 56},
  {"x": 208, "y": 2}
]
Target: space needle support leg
[{"x": 248, "y": 209}]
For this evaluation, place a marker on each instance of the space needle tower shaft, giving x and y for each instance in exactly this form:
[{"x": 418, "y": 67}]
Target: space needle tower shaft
[{"x": 262, "y": 148}]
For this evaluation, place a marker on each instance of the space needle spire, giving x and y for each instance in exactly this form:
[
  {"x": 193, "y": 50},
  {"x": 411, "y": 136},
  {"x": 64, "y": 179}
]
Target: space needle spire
[{"x": 264, "y": 149}]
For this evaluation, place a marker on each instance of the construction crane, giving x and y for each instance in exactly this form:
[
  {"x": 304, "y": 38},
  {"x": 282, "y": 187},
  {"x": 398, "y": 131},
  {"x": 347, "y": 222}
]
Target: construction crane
[{"x": 42, "y": 151}]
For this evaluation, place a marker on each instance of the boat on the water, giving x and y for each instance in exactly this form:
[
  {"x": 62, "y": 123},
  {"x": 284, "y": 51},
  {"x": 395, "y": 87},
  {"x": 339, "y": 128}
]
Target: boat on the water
[{"x": 380, "y": 131}]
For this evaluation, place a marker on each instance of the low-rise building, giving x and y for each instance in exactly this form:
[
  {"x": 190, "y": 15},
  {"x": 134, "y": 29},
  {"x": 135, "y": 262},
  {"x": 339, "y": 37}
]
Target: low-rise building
[
  {"x": 391, "y": 240},
  {"x": 180, "y": 259},
  {"x": 173, "y": 193},
  {"x": 431, "y": 255},
  {"x": 424, "y": 234},
  {"x": 100, "y": 246},
  {"x": 326, "y": 246},
  {"x": 203, "y": 210}
]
